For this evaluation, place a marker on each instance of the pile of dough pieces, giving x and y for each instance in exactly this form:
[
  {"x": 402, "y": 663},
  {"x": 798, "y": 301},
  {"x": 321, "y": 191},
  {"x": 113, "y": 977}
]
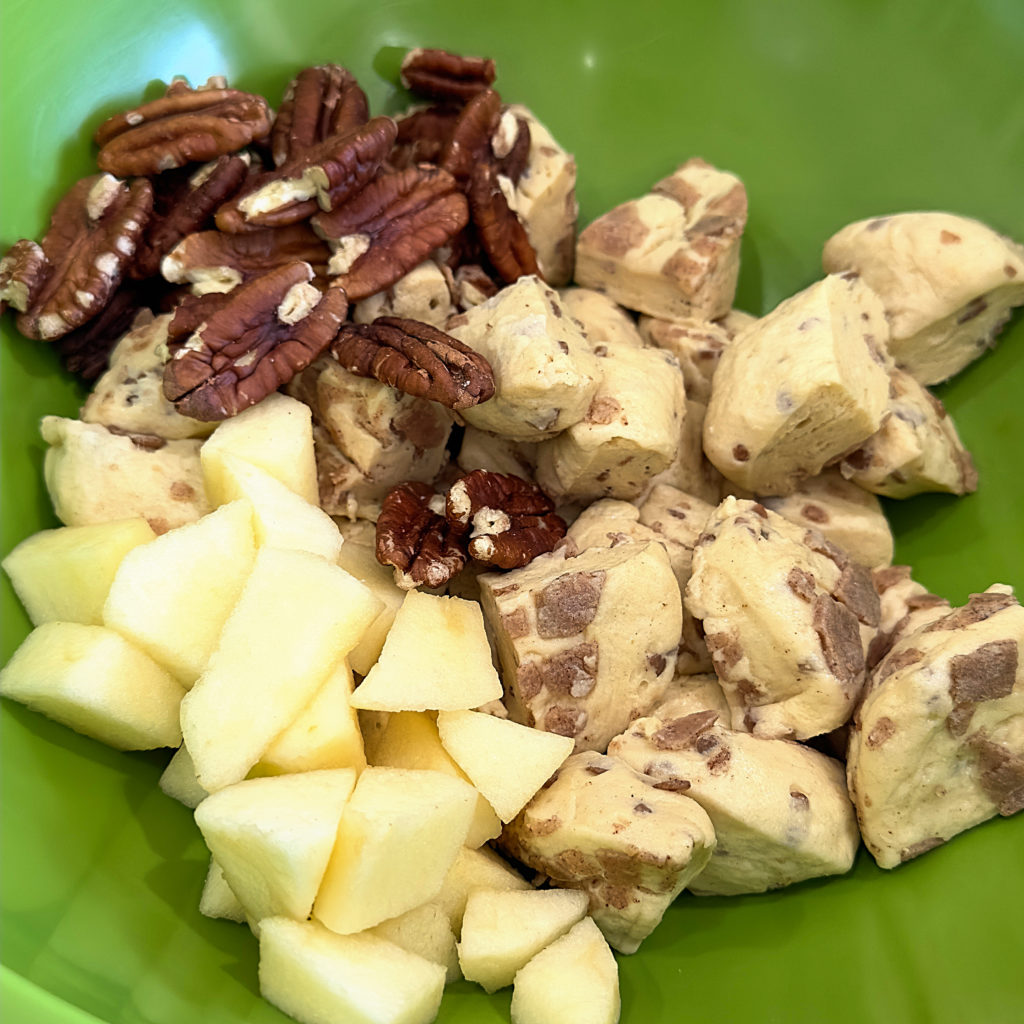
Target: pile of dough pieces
[{"x": 752, "y": 687}]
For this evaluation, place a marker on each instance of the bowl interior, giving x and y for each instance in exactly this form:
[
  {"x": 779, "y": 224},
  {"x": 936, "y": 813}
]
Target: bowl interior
[{"x": 829, "y": 112}]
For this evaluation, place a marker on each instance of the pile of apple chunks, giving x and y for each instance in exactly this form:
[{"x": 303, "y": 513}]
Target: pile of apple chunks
[{"x": 234, "y": 639}]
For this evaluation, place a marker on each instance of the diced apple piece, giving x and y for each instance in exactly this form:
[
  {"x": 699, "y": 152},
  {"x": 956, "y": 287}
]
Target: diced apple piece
[
  {"x": 179, "y": 780},
  {"x": 63, "y": 575},
  {"x": 575, "y": 980},
  {"x": 273, "y": 837},
  {"x": 484, "y": 747},
  {"x": 218, "y": 899},
  {"x": 501, "y": 931},
  {"x": 276, "y": 434},
  {"x": 473, "y": 869},
  {"x": 436, "y": 655},
  {"x": 97, "y": 683},
  {"x": 398, "y": 837},
  {"x": 172, "y": 596},
  {"x": 325, "y": 735},
  {"x": 361, "y": 560},
  {"x": 296, "y": 618},
  {"x": 409, "y": 739},
  {"x": 281, "y": 517},
  {"x": 426, "y": 931},
  {"x": 319, "y": 977}
]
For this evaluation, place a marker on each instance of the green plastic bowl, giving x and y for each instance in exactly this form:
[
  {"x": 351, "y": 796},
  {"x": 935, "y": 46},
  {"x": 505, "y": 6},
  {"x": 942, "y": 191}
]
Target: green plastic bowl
[{"x": 830, "y": 112}]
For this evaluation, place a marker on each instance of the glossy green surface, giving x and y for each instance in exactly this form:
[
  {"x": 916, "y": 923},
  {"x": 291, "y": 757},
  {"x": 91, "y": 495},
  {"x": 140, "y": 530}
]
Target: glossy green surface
[{"x": 830, "y": 111}]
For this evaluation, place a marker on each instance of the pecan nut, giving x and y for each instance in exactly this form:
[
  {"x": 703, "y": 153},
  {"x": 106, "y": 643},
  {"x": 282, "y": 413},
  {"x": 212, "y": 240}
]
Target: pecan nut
[
  {"x": 215, "y": 261},
  {"x": 510, "y": 520},
  {"x": 391, "y": 226},
  {"x": 318, "y": 178},
  {"x": 416, "y": 358},
  {"x": 469, "y": 144},
  {"x": 319, "y": 102},
  {"x": 416, "y": 539},
  {"x": 267, "y": 330},
  {"x": 92, "y": 238},
  {"x": 183, "y": 202},
  {"x": 185, "y": 125},
  {"x": 422, "y": 136},
  {"x": 23, "y": 272},
  {"x": 499, "y": 229},
  {"x": 442, "y": 75}
]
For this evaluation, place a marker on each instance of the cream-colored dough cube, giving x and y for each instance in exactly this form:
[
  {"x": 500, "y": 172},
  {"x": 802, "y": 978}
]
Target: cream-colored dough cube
[
  {"x": 297, "y": 616},
  {"x": 691, "y": 471},
  {"x": 315, "y": 976},
  {"x": 397, "y": 839},
  {"x": 130, "y": 394},
  {"x": 421, "y": 294},
  {"x": 172, "y": 596},
  {"x": 605, "y": 827},
  {"x": 604, "y": 321},
  {"x": 276, "y": 434},
  {"x": 272, "y": 838},
  {"x": 63, "y": 575},
  {"x": 948, "y": 284},
  {"x": 629, "y": 434},
  {"x": 575, "y": 980},
  {"x": 481, "y": 449},
  {"x": 94, "y": 475},
  {"x": 822, "y": 384},
  {"x": 545, "y": 373},
  {"x": 674, "y": 252},
  {"x": 503, "y": 929},
  {"x": 94, "y": 681},
  {"x": 585, "y": 642},
  {"x": 436, "y": 655},
  {"x": 779, "y": 809}
]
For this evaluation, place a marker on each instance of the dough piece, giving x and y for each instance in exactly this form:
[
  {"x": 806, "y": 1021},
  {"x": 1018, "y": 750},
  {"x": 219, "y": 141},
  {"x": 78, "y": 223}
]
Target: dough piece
[
  {"x": 916, "y": 449},
  {"x": 481, "y": 449},
  {"x": 368, "y": 436},
  {"x": 545, "y": 200},
  {"x": 629, "y": 434},
  {"x": 604, "y": 321},
  {"x": 787, "y": 618},
  {"x": 604, "y": 828},
  {"x": 545, "y": 373},
  {"x": 795, "y": 391},
  {"x": 938, "y": 744},
  {"x": 948, "y": 284},
  {"x": 904, "y": 605},
  {"x": 422, "y": 294},
  {"x": 130, "y": 395},
  {"x": 95, "y": 475},
  {"x": 689, "y": 694},
  {"x": 697, "y": 344},
  {"x": 847, "y": 515},
  {"x": 609, "y": 523},
  {"x": 585, "y": 643},
  {"x": 674, "y": 252},
  {"x": 780, "y": 810},
  {"x": 691, "y": 471}
]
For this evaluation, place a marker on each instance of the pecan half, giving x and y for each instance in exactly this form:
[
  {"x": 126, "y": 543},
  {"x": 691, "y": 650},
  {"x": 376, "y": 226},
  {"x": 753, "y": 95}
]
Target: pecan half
[
  {"x": 415, "y": 538},
  {"x": 183, "y": 202},
  {"x": 268, "y": 330},
  {"x": 415, "y": 358},
  {"x": 391, "y": 226},
  {"x": 318, "y": 178},
  {"x": 469, "y": 144},
  {"x": 319, "y": 102},
  {"x": 499, "y": 228},
  {"x": 23, "y": 272},
  {"x": 510, "y": 145},
  {"x": 511, "y": 519},
  {"x": 440, "y": 74},
  {"x": 183, "y": 126},
  {"x": 93, "y": 235},
  {"x": 422, "y": 136},
  {"x": 215, "y": 261}
]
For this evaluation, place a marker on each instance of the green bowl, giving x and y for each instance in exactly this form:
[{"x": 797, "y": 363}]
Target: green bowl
[{"x": 830, "y": 112}]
